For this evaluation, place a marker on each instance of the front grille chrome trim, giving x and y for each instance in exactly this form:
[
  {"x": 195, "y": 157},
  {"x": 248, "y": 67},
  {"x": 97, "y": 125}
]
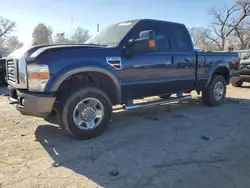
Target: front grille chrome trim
[
  {"x": 11, "y": 70},
  {"x": 18, "y": 78}
]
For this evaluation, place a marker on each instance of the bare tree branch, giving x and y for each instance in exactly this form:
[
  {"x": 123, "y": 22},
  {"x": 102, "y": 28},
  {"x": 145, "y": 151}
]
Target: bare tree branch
[
  {"x": 216, "y": 32},
  {"x": 245, "y": 7},
  {"x": 226, "y": 21},
  {"x": 213, "y": 40},
  {"x": 6, "y": 26},
  {"x": 12, "y": 43},
  {"x": 202, "y": 39}
]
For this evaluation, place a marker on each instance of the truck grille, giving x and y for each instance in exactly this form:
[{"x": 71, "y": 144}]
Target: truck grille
[
  {"x": 11, "y": 70},
  {"x": 245, "y": 67}
]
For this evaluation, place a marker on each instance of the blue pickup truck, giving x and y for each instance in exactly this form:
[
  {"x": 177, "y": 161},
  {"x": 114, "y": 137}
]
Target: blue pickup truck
[{"x": 79, "y": 84}]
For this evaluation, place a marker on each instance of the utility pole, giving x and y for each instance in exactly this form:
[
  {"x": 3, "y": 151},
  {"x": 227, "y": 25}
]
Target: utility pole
[{"x": 98, "y": 27}]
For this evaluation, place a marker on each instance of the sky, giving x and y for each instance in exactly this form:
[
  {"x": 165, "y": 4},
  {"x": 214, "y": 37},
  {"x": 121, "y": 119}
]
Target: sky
[{"x": 66, "y": 15}]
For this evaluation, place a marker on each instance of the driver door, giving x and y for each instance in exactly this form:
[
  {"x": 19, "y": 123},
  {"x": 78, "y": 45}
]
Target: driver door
[{"x": 149, "y": 74}]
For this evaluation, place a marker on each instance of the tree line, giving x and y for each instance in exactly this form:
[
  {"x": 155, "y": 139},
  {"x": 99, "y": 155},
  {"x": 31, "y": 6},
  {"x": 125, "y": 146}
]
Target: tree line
[
  {"x": 42, "y": 34},
  {"x": 7, "y": 41},
  {"x": 229, "y": 29}
]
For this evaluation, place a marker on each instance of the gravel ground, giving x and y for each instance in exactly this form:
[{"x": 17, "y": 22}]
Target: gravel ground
[{"x": 180, "y": 145}]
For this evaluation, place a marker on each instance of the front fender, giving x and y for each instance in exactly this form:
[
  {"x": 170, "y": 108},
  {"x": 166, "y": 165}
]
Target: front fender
[
  {"x": 58, "y": 77},
  {"x": 214, "y": 67}
]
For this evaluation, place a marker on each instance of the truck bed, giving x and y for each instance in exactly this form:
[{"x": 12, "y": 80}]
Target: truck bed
[{"x": 231, "y": 57}]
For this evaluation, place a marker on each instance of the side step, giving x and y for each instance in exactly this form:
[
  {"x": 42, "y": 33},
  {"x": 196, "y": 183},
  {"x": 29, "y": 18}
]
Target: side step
[{"x": 156, "y": 102}]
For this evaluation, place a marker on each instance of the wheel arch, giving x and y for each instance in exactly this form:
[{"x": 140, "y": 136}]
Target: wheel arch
[
  {"x": 113, "y": 88},
  {"x": 220, "y": 68}
]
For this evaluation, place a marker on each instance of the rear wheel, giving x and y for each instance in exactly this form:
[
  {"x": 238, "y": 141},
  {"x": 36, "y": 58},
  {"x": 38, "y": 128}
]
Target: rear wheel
[
  {"x": 215, "y": 93},
  {"x": 237, "y": 83},
  {"x": 85, "y": 113}
]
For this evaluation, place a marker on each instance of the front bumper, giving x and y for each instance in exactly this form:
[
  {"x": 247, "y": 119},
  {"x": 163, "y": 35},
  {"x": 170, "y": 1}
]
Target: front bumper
[
  {"x": 234, "y": 76},
  {"x": 30, "y": 103},
  {"x": 245, "y": 78}
]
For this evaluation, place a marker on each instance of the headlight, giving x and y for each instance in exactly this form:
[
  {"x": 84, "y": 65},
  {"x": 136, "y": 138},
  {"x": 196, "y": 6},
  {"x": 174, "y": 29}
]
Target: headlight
[{"x": 38, "y": 76}]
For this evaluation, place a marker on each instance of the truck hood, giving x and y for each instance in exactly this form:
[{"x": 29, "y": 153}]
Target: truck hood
[
  {"x": 245, "y": 62},
  {"x": 30, "y": 53}
]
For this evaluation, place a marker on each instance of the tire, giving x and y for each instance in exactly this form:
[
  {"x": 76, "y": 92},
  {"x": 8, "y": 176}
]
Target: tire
[
  {"x": 167, "y": 96},
  {"x": 209, "y": 94},
  {"x": 73, "y": 109},
  {"x": 237, "y": 83}
]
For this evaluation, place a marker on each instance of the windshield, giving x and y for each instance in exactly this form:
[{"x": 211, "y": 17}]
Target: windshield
[
  {"x": 18, "y": 53},
  {"x": 247, "y": 55},
  {"x": 112, "y": 35},
  {"x": 3, "y": 54}
]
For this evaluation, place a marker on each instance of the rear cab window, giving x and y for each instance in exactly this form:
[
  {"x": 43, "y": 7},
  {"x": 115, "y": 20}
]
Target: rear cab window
[
  {"x": 162, "y": 38},
  {"x": 181, "y": 38}
]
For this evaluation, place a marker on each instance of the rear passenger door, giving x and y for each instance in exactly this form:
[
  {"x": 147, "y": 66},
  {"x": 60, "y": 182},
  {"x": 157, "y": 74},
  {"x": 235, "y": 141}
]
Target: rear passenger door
[{"x": 183, "y": 57}]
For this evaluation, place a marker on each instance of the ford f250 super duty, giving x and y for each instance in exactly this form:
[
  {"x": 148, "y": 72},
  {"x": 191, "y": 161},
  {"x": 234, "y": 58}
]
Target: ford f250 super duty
[{"x": 130, "y": 60}]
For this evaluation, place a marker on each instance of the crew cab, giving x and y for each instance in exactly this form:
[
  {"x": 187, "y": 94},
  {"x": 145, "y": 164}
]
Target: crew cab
[
  {"x": 244, "y": 71},
  {"x": 79, "y": 84}
]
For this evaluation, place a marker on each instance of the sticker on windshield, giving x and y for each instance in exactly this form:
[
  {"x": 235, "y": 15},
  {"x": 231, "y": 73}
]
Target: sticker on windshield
[{"x": 124, "y": 24}]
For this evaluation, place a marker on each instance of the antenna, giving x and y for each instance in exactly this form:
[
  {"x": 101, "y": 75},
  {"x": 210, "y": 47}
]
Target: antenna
[
  {"x": 71, "y": 25},
  {"x": 98, "y": 27}
]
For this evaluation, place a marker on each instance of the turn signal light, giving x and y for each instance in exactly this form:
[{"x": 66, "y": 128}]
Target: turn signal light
[
  {"x": 39, "y": 75},
  {"x": 151, "y": 43}
]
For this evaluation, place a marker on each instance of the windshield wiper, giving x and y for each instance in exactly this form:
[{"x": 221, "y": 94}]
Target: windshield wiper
[
  {"x": 93, "y": 43},
  {"x": 97, "y": 44}
]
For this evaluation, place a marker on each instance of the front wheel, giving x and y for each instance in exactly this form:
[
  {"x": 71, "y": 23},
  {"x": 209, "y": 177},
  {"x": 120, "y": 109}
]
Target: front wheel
[
  {"x": 86, "y": 113},
  {"x": 215, "y": 93}
]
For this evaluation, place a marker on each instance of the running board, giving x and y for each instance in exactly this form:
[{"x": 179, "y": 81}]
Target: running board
[{"x": 156, "y": 102}]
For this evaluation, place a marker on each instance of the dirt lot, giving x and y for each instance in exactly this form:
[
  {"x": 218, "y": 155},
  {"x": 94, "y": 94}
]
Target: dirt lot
[{"x": 179, "y": 145}]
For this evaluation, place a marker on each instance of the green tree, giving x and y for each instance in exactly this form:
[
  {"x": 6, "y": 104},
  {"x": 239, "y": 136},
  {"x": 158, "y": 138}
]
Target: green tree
[{"x": 42, "y": 34}]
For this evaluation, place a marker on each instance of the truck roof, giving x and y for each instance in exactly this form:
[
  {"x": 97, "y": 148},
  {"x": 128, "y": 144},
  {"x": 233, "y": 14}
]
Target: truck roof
[{"x": 153, "y": 20}]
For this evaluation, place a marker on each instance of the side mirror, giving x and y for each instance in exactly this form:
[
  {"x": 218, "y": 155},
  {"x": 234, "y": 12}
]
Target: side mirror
[{"x": 145, "y": 43}]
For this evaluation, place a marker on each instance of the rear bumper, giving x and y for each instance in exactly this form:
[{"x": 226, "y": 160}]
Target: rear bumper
[{"x": 32, "y": 104}]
